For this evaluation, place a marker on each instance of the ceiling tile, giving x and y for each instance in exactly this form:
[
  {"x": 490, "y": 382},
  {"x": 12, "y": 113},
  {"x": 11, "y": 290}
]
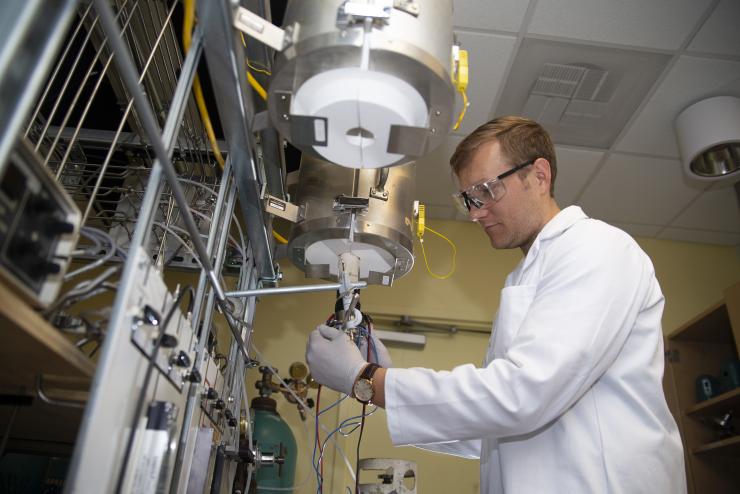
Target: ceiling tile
[
  {"x": 489, "y": 57},
  {"x": 715, "y": 209},
  {"x": 575, "y": 166},
  {"x": 434, "y": 182},
  {"x": 649, "y": 231},
  {"x": 631, "y": 189},
  {"x": 690, "y": 80},
  {"x": 701, "y": 236},
  {"x": 478, "y": 14},
  {"x": 720, "y": 34},
  {"x": 592, "y": 118},
  {"x": 663, "y": 24}
]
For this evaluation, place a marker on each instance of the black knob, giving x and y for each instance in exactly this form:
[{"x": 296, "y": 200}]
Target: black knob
[
  {"x": 232, "y": 422},
  {"x": 45, "y": 268},
  {"x": 194, "y": 376},
  {"x": 228, "y": 414},
  {"x": 150, "y": 316},
  {"x": 211, "y": 394},
  {"x": 168, "y": 341},
  {"x": 40, "y": 204},
  {"x": 180, "y": 359},
  {"x": 310, "y": 402},
  {"x": 219, "y": 404},
  {"x": 56, "y": 227}
]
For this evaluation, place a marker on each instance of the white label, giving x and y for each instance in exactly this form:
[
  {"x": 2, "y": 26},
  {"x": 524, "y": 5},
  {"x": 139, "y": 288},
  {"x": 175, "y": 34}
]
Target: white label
[{"x": 153, "y": 447}]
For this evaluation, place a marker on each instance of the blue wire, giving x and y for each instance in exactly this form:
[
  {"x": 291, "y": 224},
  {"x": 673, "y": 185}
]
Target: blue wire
[
  {"x": 314, "y": 461},
  {"x": 342, "y": 424},
  {"x": 333, "y": 404}
]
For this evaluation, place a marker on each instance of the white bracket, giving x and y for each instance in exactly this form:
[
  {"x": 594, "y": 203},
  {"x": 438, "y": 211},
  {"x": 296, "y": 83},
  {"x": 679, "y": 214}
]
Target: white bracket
[
  {"x": 264, "y": 31},
  {"x": 283, "y": 209}
]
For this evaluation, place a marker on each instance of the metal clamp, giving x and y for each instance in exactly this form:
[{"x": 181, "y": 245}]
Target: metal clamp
[
  {"x": 344, "y": 203},
  {"x": 379, "y": 192},
  {"x": 408, "y": 6},
  {"x": 356, "y": 11}
]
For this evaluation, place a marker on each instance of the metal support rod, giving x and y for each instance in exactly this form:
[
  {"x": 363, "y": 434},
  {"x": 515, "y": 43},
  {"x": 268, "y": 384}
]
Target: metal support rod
[
  {"x": 50, "y": 401},
  {"x": 327, "y": 287},
  {"x": 148, "y": 120},
  {"x": 227, "y": 67}
]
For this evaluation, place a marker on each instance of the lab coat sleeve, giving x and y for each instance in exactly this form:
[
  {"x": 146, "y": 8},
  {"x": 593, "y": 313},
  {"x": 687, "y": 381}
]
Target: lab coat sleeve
[
  {"x": 586, "y": 302},
  {"x": 469, "y": 449}
]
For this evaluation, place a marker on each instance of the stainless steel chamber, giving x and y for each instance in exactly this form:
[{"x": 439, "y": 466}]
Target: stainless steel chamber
[
  {"x": 346, "y": 212},
  {"x": 365, "y": 85}
]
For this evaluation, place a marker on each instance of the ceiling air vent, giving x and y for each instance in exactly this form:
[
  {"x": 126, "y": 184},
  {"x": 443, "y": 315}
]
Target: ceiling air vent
[{"x": 570, "y": 94}]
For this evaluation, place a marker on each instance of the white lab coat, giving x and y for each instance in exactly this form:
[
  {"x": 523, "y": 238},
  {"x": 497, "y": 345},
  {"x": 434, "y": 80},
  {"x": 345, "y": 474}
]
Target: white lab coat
[{"x": 569, "y": 399}]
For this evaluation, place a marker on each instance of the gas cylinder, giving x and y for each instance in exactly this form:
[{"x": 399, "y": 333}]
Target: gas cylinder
[{"x": 272, "y": 434}]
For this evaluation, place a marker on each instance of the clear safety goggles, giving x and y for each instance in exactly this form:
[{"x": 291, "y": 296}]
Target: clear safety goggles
[{"x": 478, "y": 195}]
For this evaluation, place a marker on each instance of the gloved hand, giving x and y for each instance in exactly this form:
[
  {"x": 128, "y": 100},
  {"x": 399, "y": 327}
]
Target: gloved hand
[
  {"x": 334, "y": 359},
  {"x": 378, "y": 352}
]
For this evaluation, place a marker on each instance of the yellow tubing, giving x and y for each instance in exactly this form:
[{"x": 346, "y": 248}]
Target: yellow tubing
[
  {"x": 279, "y": 237},
  {"x": 187, "y": 33}
]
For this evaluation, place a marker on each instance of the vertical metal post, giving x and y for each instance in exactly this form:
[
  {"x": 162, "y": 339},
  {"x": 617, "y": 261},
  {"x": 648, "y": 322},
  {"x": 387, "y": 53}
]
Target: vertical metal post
[
  {"x": 217, "y": 239},
  {"x": 227, "y": 67}
]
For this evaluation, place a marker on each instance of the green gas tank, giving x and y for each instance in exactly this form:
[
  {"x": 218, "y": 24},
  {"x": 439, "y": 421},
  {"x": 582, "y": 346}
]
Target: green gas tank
[{"x": 273, "y": 435}]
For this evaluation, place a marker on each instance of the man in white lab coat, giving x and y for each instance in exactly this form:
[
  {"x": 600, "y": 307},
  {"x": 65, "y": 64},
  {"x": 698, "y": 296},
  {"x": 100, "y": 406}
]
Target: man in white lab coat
[{"x": 569, "y": 398}]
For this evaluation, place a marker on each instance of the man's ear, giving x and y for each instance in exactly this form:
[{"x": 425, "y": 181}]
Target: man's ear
[{"x": 542, "y": 174}]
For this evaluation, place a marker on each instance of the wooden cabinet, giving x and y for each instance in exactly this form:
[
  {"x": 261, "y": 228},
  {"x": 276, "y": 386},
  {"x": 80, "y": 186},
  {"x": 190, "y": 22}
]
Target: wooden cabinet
[{"x": 700, "y": 347}]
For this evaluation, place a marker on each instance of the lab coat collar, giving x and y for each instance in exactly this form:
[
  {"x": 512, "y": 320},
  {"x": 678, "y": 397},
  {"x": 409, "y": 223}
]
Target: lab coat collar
[
  {"x": 557, "y": 225},
  {"x": 560, "y": 222}
]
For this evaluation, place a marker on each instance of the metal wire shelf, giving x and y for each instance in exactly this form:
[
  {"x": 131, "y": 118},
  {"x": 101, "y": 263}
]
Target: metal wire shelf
[{"x": 88, "y": 133}]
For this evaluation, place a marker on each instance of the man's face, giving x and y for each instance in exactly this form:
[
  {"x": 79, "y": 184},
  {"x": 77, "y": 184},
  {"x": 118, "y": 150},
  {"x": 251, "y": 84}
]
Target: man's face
[{"x": 512, "y": 221}]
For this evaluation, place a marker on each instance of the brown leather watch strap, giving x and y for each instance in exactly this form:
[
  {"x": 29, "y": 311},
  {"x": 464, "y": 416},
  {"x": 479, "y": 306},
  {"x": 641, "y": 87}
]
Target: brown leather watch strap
[{"x": 368, "y": 371}]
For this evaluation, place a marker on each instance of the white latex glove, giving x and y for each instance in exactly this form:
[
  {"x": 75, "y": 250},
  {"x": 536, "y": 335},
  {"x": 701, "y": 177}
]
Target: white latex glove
[
  {"x": 334, "y": 359},
  {"x": 378, "y": 350}
]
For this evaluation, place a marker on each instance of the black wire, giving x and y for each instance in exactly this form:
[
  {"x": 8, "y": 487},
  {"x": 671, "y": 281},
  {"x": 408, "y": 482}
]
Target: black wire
[
  {"x": 147, "y": 377},
  {"x": 362, "y": 421},
  {"x": 359, "y": 440}
]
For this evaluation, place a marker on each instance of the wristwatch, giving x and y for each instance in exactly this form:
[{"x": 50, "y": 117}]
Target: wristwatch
[{"x": 363, "y": 388}]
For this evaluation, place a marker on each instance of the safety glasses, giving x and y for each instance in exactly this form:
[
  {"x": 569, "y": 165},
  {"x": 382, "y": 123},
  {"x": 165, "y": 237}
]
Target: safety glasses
[{"x": 478, "y": 195}]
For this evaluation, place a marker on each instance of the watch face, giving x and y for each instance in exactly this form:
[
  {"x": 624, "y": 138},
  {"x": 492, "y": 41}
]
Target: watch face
[{"x": 364, "y": 390}]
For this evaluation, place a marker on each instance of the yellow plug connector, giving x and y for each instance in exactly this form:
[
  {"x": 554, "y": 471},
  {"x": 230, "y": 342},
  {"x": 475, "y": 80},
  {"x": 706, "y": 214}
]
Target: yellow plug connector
[
  {"x": 460, "y": 80},
  {"x": 421, "y": 227},
  {"x": 420, "y": 220}
]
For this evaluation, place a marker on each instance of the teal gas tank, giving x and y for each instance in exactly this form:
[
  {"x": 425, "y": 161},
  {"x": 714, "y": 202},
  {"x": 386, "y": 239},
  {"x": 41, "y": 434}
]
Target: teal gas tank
[{"x": 273, "y": 435}]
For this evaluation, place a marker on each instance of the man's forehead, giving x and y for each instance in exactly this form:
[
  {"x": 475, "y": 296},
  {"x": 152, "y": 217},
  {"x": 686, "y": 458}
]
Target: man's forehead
[{"x": 486, "y": 162}]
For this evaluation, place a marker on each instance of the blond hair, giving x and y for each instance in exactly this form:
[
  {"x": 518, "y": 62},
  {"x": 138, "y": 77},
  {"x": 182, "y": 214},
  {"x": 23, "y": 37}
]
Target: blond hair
[{"x": 521, "y": 140}]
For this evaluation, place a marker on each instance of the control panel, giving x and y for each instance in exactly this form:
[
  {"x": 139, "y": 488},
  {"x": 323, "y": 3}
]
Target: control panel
[{"x": 39, "y": 225}]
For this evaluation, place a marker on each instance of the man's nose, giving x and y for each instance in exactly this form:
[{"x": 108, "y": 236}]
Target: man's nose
[{"x": 476, "y": 214}]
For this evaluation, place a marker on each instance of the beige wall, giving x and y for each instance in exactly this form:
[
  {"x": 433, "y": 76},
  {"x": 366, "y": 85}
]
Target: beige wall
[{"x": 692, "y": 276}]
